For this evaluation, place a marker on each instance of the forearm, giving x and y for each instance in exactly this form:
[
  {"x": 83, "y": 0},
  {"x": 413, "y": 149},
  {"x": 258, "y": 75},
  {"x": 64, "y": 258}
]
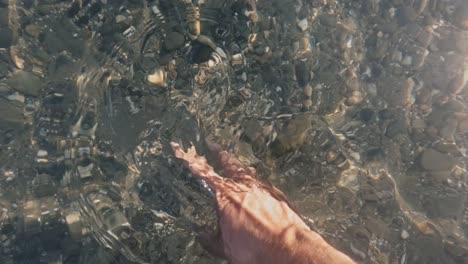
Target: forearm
[{"x": 309, "y": 247}]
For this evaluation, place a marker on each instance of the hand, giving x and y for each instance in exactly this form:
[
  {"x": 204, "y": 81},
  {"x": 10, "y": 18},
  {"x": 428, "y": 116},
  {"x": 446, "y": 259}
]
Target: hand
[{"x": 256, "y": 222}]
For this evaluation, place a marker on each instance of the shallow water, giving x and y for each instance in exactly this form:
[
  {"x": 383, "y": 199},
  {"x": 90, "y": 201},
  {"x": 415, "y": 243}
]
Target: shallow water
[{"x": 356, "y": 110}]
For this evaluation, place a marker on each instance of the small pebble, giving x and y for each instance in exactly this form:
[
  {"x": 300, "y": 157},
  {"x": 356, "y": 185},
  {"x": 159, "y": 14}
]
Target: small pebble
[
  {"x": 157, "y": 78},
  {"x": 404, "y": 235},
  {"x": 355, "y": 98},
  {"x": 303, "y": 24},
  {"x": 308, "y": 90}
]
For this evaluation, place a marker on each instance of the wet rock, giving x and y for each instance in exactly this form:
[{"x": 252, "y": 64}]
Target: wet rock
[
  {"x": 456, "y": 84},
  {"x": 11, "y": 114},
  {"x": 6, "y": 37},
  {"x": 443, "y": 202},
  {"x": 158, "y": 77},
  {"x": 397, "y": 92},
  {"x": 460, "y": 16},
  {"x": 448, "y": 130},
  {"x": 406, "y": 14},
  {"x": 302, "y": 73},
  {"x": 308, "y": 90},
  {"x": 356, "y": 97},
  {"x": 173, "y": 41},
  {"x": 26, "y": 83},
  {"x": 293, "y": 135},
  {"x": 396, "y": 127},
  {"x": 463, "y": 126},
  {"x": 433, "y": 160},
  {"x": 423, "y": 35},
  {"x": 303, "y": 24},
  {"x": 3, "y": 17},
  {"x": 33, "y": 30},
  {"x": 62, "y": 37},
  {"x": 366, "y": 114},
  {"x": 404, "y": 235}
]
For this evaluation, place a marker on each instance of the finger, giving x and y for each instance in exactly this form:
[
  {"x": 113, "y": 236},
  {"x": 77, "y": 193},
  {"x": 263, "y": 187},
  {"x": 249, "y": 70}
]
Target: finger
[{"x": 178, "y": 151}]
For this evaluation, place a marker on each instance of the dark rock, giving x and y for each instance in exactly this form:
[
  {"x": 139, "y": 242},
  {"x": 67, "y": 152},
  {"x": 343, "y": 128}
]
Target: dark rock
[
  {"x": 460, "y": 16},
  {"x": 6, "y": 37},
  {"x": 26, "y": 83},
  {"x": 3, "y": 17},
  {"x": 11, "y": 114},
  {"x": 366, "y": 114},
  {"x": 174, "y": 41},
  {"x": 433, "y": 160},
  {"x": 395, "y": 128},
  {"x": 302, "y": 73}
]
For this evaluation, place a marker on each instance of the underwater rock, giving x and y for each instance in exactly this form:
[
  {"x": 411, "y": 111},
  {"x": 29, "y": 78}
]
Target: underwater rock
[{"x": 433, "y": 160}]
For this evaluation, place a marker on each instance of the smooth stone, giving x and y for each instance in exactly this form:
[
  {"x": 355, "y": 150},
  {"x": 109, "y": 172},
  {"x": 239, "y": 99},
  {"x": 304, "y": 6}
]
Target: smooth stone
[
  {"x": 4, "y": 89},
  {"x": 6, "y": 38},
  {"x": 433, "y": 160},
  {"x": 3, "y": 17},
  {"x": 463, "y": 126},
  {"x": 26, "y": 83},
  {"x": 62, "y": 38},
  {"x": 448, "y": 130},
  {"x": 302, "y": 73},
  {"x": 11, "y": 114},
  {"x": 303, "y": 24},
  {"x": 157, "y": 78},
  {"x": 173, "y": 41},
  {"x": 460, "y": 16},
  {"x": 33, "y": 30},
  {"x": 404, "y": 235},
  {"x": 308, "y": 90}
]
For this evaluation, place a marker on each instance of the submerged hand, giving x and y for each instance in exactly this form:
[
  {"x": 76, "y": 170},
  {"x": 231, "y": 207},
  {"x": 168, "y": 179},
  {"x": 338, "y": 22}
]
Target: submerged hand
[{"x": 256, "y": 223}]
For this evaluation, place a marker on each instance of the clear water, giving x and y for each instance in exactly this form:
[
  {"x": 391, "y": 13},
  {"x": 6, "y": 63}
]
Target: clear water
[{"x": 357, "y": 110}]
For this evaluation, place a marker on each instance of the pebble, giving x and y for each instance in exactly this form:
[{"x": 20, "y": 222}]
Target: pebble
[
  {"x": 16, "y": 97},
  {"x": 6, "y": 38},
  {"x": 26, "y": 83},
  {"x": 11, "y": 114},
  {"x": 33, "y": 30},
  {"x": 120, "y": 18},
  {"x": 308, "y": 90},
  {"x": 4, "y": 88},
  {"x": 433, "y": 160},
  {"x": 173, "y": 41},
  {"x": 244, "y": 77},
  {"x": 302, "y": 73},
  {"x": 408, "y": 60},
  {"x": 463, "y": 126},
  {"x": 404, "y": 235},
  {"x": 460, "y": 16},
  {"x": 355, "y": 98},
  {"x": 448, "y": 129},
  {"x": 157, "y": 78},
  {"x": 3, "y": 17},
  {"x": 42, "y": 153},
  {"x": 303, "y": 24}
]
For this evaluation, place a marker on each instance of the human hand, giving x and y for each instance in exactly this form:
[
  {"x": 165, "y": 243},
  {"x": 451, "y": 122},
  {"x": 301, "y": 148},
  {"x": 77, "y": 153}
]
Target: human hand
[{"x": 256, "y": 222}]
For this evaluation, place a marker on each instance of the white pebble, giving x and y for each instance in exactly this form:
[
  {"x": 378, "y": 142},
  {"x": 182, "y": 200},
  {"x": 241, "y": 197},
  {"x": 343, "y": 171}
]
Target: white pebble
[
  {"x": 16, "y": 97},
  {"x": 42, "y": 153},
  {"x": 404, "y": 234},
  {"x": 244, "y": 76},
  {"x": 303, "y": 24}
]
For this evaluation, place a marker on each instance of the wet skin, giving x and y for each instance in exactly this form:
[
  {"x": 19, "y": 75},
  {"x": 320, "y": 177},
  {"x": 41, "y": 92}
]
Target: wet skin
[{"x": 256, "y": 222}]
